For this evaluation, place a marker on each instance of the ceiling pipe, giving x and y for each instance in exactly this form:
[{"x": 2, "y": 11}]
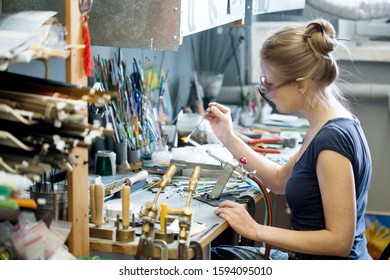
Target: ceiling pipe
[
  {"x": 353, "y": 9},
  {"x": 366, "y": 90}
]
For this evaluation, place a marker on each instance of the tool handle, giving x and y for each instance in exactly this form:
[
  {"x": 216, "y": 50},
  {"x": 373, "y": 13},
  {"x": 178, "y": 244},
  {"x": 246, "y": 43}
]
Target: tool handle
[
  {"x": 142, "y": 175},
  {"x": 265, "y": 150},
  {"x": 163, "y": 215},
  {"x": 92, "y": 204},
  {"x": 99, "y": 201},
  {"x": 265, "y": 140},
  {"x": 125, "y": 206}
]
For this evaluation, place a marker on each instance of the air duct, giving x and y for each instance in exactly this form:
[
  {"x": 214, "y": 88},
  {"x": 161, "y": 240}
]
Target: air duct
[
  {"x": 366, "y": 90},
  {"x": 353, "y": 9}
]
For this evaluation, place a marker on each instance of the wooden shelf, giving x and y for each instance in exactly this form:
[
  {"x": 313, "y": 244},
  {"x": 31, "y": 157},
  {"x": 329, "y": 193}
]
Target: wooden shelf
[{"x": 78, "y": 240}]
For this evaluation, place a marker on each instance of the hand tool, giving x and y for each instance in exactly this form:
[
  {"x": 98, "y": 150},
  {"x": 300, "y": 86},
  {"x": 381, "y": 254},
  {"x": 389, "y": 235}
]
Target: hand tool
[
  {"x": 255, "y": 142},
  {"x": 164, "y": 233},
  {"x": 192, "y": 132},
  {"x": 125, "y": 206},
  {"x": 125, "y": 234},
  {"x": 264, "y": 140},
  {"x": 266, "y": 151},
  {"x": 114, "y": 206},
  {"x": 97, "y": 200},
  {"x": 163, "y": 216},
  {"x": 98, "y": 229},
  {"x": 196, "y": 127}
]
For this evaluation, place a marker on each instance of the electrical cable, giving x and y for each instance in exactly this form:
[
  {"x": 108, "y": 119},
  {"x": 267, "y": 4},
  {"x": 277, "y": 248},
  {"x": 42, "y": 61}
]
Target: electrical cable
[{"x": 255, "y": 187}]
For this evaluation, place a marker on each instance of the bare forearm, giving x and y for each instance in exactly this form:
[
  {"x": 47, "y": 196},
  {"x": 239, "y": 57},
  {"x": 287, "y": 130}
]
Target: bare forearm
[{"x": 321, "y": 242}]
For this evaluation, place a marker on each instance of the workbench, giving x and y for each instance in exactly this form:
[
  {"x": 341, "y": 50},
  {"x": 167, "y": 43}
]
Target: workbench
[{"x": 203, "y": 213}]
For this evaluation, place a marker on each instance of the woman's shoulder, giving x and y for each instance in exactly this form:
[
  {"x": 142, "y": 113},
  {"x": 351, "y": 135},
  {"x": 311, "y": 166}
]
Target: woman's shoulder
[
  {"x": 339, "y": 126},
  {"x": 339, "y": 134}
]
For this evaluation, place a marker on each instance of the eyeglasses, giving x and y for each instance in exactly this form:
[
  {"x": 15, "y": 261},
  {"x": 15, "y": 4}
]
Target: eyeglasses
[{"x": 263, "y": 90}]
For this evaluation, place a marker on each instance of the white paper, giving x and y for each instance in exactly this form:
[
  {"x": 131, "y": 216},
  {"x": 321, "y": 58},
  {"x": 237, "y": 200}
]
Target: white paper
[
  {"x": 26, "y": 21},
  {"x": 20, "y": 28},
  {"x": 10, "y": 40},
  {"x": 195, "y": 227}
]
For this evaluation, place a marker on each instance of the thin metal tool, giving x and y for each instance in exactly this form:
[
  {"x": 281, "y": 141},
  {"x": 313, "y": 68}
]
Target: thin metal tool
[{"x": 196, "y": 127}]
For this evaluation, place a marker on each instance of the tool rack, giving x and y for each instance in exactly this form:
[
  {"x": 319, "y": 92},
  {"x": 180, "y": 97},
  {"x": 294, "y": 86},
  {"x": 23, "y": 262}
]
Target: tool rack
[{"x": 78, "y": 240}]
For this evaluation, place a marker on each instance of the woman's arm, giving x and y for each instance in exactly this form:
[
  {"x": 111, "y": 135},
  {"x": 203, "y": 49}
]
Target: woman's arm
[{"x": 273, "y": 175}]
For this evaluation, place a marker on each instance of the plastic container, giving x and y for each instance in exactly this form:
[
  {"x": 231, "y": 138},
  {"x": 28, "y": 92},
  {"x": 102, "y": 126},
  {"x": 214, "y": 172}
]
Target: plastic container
[
  {"x": 211, "y": 83},
  {"x": 290, "y": 139}
]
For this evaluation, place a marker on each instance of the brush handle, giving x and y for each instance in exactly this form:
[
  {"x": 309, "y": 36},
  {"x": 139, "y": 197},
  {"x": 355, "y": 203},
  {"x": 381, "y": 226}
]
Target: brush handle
[
  {"x": 163, "y": 215},
  {"x": 125, "y": 206},
  {"x": 99, "y": 201},
  {"x": 92, "y": 204}
]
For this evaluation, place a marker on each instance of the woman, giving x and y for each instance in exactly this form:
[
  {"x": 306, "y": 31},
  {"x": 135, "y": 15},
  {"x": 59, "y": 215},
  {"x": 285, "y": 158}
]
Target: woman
[{"x": 327, "y": 180}]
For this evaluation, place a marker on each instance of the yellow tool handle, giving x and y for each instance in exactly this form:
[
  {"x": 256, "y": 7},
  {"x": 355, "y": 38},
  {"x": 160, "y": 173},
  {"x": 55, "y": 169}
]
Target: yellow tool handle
[
  {"x": 125, "y": 206},
  {"x": 163, "y": 215},
  {"x": 25, "y": 202},
  {"x": 99, "y": 201},
  {"x": 92, "y": 205}
]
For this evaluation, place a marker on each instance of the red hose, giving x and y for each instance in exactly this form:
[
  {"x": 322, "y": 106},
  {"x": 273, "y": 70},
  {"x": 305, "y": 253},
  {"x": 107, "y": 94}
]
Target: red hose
[
  {"x": 182, "y": 251},
  {"x": 269, "y": 208},
  {"x": 140, "y": 248}
]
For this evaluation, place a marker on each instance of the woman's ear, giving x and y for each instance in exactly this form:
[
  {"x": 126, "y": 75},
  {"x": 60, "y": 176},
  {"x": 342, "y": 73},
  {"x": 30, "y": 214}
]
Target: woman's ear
[{"x": 303, "y": 84}]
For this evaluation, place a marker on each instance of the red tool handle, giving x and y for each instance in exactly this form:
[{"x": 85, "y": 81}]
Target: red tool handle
[
  {"x": 266, "y": 151},
  {"x": 265, "y": 140}
]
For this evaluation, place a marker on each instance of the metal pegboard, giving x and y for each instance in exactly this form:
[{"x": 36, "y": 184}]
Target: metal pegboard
[{"x": 152, "y": 24}]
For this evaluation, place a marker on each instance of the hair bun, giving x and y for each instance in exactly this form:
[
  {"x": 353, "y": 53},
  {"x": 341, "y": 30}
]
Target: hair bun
[{"x": 322, "y": 36}]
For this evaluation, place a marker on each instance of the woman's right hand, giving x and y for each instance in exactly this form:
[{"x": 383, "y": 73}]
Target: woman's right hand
[{"x": 220, "y": 120}]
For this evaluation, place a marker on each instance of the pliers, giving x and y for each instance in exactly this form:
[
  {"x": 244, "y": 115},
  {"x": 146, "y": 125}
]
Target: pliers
[{"x": 256, "y": 145}]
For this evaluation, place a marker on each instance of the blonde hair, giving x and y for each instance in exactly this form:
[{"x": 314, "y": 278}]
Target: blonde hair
[{"x": 305, "y": 51}]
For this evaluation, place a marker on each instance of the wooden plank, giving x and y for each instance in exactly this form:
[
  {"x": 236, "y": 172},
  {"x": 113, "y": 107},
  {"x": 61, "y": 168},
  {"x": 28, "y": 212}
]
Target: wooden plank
[
  {"x": 78, "y": 203},
  {"x": 103, "y": 232},
  {"x": 74, "y": 63},
  {"x": 78, "y": 178}
]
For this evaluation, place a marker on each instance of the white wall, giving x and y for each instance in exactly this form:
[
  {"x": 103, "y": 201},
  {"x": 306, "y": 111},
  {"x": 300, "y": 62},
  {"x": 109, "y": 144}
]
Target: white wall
[{"x": 372, "y": 108}]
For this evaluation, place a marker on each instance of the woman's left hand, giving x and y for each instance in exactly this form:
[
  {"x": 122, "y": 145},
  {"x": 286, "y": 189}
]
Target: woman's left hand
[{"x": 238, "y": 218}]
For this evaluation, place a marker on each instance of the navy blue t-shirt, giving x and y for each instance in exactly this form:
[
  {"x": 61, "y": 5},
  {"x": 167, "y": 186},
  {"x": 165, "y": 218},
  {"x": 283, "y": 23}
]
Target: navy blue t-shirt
[{"x": 344, "y": 136}]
